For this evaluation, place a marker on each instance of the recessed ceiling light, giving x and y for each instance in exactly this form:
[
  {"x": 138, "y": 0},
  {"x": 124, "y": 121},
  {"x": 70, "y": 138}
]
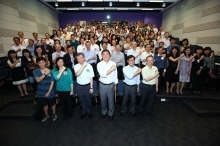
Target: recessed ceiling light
[
  {"x": 138, "y": 4},
  {"x": 110, "y": 4},
  {"x": 56, "y": 4},
  {"x": 164, "y": 5},
  {"x": 83, "y": 4}
]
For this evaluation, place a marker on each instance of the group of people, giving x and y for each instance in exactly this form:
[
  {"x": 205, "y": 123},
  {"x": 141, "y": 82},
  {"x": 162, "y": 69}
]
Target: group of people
[{"x": 140, "y": 55}]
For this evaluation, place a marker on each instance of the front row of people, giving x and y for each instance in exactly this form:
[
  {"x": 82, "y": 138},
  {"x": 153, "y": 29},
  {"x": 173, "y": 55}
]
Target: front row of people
[{"x": 62, "y": 78}]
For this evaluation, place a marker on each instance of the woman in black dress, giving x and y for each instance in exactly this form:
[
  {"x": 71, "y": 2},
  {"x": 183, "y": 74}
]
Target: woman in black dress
[
  {"x": 17, "y": 72},
  {"x": 29, "y": 66},
  {"x": 172, "y": 72}
]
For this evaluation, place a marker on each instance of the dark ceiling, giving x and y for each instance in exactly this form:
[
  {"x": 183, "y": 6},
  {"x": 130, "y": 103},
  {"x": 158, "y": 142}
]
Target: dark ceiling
[{"x": 155, "y": 5}]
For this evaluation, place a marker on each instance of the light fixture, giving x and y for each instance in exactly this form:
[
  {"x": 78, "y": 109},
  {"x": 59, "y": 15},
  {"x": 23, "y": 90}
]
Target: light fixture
[
  {"x": 83, "y": 4},
  {"x": 97, "y": 8},
  {"x": 164, "y": 5},
  {"x": 56, "y": 4},
  {"x": 110, "y": 4},
  {"x": 138, "y": 4},
  {"x": 95, "y": 0},
  {"x": 146, "y": 9},
  {"x": 72, "y": 8},
  {"x": 122, "y": 8},
  {"x": 110, "y": 8},
  {"x": 108, "y": 16},
  {"x": 64, "y": 0},
  {"x": 156, "y": 1},
  {"x": 125, "y": 0}
]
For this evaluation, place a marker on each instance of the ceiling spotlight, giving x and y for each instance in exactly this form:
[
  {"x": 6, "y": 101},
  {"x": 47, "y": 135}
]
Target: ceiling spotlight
[
  {"x": 108, "y": 17},
  {"x": 164, "y": 5},
  {"x": 56, "y": 4},
  {"x": 83, "y": 4},
  {"x": 110, "y": 4},
  {"x": 138, "y": 4}
]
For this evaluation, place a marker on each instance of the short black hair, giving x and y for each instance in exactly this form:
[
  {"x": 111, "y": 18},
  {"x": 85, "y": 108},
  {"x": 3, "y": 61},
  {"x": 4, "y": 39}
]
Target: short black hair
[
  {"x": 172, "y": 38},
  {"x": 31, "y": 40},
  {"x": 130, "y": 56},
  {"x": 59, "y": 58},
  {"x": 106, "y": 51},
  {"x": 16, "y": 38},
  {"x": 40, "y": 59},
  {"x": 78, "y": 54},
  {"x": 34, "y": 33}
]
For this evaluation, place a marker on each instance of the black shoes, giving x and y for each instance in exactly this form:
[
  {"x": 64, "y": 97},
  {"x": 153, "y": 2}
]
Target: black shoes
[
  {"x": 121, "y": 114},
  {"x": 102, "y": 116},
  {"x": 90, "y": 116},
  {"x": 134, "y": 114},
  {"x": 150, "y": 114},
  {"x": 82, "y": 116},
  {"x": 111, "y": 118}
]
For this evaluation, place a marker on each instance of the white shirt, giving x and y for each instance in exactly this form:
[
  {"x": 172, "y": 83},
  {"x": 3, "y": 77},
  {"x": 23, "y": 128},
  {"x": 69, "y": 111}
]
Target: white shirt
[
  {"x": 134, "y": 53},
  {"x": 166, "y": 42},
  {"x": 95, "y": 48},
  {"x": 17, "y": 65},
  {"x": 54, "y": 55},
  {"x": 80, "y": 48},
  {"x": 100, "y": 36},
  {"x": 25, "y": 43},
  {"x": 14, "y": 47},
  {"x": 108, "y": 47},
  {"x": 128, "y": 74},
  {"x": 86, "y": 74},
  {"x": 50, "y": 42},
  {"x": 62, "y": 40},
  {"x": 102, "y": 68},
  {"x": 126, "y": 45},
  {"x": 162, "y": 35},
  {"x": 155, "y": 30},
  {"x": 144, "y": 56}
]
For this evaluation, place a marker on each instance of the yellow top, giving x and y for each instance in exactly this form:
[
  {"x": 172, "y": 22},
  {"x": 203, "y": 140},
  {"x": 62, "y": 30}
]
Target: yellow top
[{"x": 146, "y": 72}]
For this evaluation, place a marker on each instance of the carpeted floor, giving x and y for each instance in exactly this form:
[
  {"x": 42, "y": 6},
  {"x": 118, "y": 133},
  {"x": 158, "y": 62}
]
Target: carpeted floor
[{"x": 173, "y": 124}]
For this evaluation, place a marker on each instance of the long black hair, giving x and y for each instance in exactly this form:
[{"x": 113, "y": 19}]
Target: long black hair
[
  {"x": 177, "y": 53},
  {"x": 35, "y": 51},
  {"x": 24, "y": 59},
  {"x": 9, "y": 55},
  {"x": 184, "y": 51},
  {"x": 207, "y": 48}
]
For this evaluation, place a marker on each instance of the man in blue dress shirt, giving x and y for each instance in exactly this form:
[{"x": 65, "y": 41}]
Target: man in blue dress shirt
[
  {"x": 131, "y": 85},
  {"x": 161, "y": 63}
]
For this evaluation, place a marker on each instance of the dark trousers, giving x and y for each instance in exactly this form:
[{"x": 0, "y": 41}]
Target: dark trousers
[
  {"x": 161, "y": 79},
  {"x": 147, "y": 95},
  {"x": 66, "y": 103},
  {"x": 204, "y": 75},
  {"x": 85, "y": 98},
  {"x": 129, "y": 91},
  {"x": 197, "y": 82},
  {"x": 94, "y": 70}
]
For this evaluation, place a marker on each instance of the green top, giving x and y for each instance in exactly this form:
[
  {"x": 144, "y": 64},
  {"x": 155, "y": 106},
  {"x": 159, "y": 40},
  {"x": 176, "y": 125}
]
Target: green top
[{"x": 65, "y": 80}]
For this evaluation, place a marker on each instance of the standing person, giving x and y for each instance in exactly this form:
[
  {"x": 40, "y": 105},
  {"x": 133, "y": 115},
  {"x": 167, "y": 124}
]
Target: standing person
[
  {"x": 58, "y": 53},
  {"x": 85, "y": 74},
  {"x": 45, "y": 88},
  {"x": 90, "y": 55},
  {"x": 172, "y": 72},
  {"x": 73, "y": 41},
  {"x": 95, "y": 48},
  {"x": 48, "y": 50},
  {"x": 48, "y": 40},
  {"x": 70, "y": 60},
  {"x": 161, "y": 63},
  {"x": 81, "y": 47},
  {"x": 23, "y": 40},
  {"x": 145, "y": 54},
  {"x": 17, "y": 71},
  {"x": 135, "y": 53},
  {"x": 60, "y": 38},
  {"x": 131, "y": 85},
  {"x": 185, "y": 67},
  {"x": 149, "y": 85},
  {"x": 29, "y": 66},
  {"x": 39, "y": 52},
  {"x": 64, "y": 87},
  {"x": 17, "y": 47},
  {"x": 31, "y": 46},
  {"x": 37, "y": 41},
  {"x": 197, "y": 66},
  {"x": 108, "y": 80}
]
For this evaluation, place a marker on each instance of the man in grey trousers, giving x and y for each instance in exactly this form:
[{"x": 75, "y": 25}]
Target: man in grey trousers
[
  {"x": 131, "y": 85},
  {"x": 108, "y": 80}
]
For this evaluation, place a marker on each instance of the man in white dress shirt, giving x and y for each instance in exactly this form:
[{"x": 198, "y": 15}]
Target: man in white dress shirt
[
  {"x": 85, "y": 74},
  {"x": 48, "y": 40},
  {"x": 17, "y": 46},
  {"x": 135, "y": 53},
  {"x": 58, "y": 53},
  {"x": 108, "y": 81},
  {"x": 166, "y": 40},
  {"x": 82, "y": 46},
  {"x": 145, "y": 54},
  {"x": 99, "y": 35},
  {"x": 94, "y": 46},
  {"x": 23, "y": 40},
  {"x": 131, "y": 85}
]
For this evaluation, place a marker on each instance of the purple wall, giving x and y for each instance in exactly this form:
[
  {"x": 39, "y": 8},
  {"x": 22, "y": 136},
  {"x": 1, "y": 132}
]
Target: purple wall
[{"x": 153, "y": 17}]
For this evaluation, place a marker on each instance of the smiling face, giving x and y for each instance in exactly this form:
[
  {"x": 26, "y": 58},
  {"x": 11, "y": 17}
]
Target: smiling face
[
  {"x": 105, "y": 56},
  {"x": 60, "y": 63}
]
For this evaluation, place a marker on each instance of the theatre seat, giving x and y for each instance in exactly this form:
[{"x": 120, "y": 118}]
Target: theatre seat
[{"x": 3, "y": 76}]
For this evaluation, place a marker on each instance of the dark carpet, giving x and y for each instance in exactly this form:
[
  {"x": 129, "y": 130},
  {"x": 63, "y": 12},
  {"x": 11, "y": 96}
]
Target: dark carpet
[{"x": 172, "y": 125}]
